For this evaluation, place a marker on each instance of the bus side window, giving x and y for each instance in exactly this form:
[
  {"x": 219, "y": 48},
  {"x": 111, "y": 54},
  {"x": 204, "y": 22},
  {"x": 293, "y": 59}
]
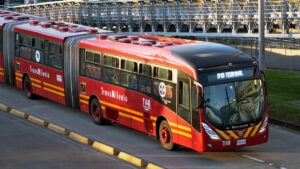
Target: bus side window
[
  {"x": 38, "y": 50},
  {"x": 128, "y": 77},
  {"x": 55, "y": 55},
  {"x": 82, "y": 62},
  {"x": 184, "y": 101},
  {"x": 25, "y": 47},
  {"x": 92, "y": 63},
  {"x": 145, "y": 79},
  {"x": 110, "y": 71}
]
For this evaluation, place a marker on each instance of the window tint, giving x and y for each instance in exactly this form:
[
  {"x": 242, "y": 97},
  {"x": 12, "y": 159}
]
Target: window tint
[
  {"x": 162, "y": 73},
  {"x": 55, "y": 56},
  {"x": 184, "y": 101},
  {"x": 93, "y": 71},
  {"x": 25, "y": 40},
  {"x": 82, "y": 62},
  {"x": 128, "y": 80},
  {"x": 93, "y": 58},
  {"x": 25, "y": 52},
  {"x": 184, "y": 94},
  {"x": 129, "y": 65},
  {"x": 145, "y": 70},
  {"x": 145, "y": 84},
  {"x": 111, "y": 61},
  {"x": 111, "y": 75}
]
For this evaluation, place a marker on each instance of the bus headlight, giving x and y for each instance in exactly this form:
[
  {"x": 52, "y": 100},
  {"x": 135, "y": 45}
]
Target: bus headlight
[
  {"x": 263, "y": 127},
  {"x": 210, "y": 132}
]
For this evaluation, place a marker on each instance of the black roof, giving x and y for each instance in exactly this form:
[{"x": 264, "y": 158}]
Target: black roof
[{"x": 206, "y": 55}]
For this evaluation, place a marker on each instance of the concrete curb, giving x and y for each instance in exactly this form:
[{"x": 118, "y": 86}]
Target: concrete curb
[
  {"x": 80, "y": 138},
  {"x": 132, "y": 159},
  {"x": 58, "y": 129},
  {"x": 153, "y": 166},
  {"x": 4, "y": 108},
  {"x": 18, "y": 113},
  {"x": 104, "y": 148},
  {"x": 38, "y": 121},
  {"x": 284, "y": 123}
]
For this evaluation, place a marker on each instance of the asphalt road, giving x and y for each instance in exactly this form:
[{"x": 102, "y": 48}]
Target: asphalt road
[
  {"x": 26, "y": 145},
  {"x": 282, "y": 151}
]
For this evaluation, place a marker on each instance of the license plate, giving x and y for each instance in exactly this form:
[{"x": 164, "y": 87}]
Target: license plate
[{"x": 241, "y": 142}]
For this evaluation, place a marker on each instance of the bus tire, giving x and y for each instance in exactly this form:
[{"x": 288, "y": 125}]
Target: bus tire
[
  {"x": 96, "y": 112},
  {"x": 165, "y": 136},
  {"x": 28, "y": 88}
]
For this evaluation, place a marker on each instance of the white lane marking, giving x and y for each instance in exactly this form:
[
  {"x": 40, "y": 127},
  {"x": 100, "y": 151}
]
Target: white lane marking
[
  {"x": 261, "y": 161},
  {"x": 253, "y": 158}
]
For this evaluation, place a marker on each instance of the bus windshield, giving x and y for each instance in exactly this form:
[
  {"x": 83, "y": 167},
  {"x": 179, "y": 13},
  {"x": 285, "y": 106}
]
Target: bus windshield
[{"x": 234, "y": 105}]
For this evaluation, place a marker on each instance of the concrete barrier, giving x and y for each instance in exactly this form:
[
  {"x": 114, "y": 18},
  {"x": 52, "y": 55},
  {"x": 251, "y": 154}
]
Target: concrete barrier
[
  {"x": 4, "y": 108},
  {"x": 58, "y": 129},
  {"x": 104, "y": 148},
  {"x": 80, "y": 138},
  {"x": 153, "y": 166},
  {"x": 37, "y": 121},
  {"x": 18, "y": 113},
  {"x": 132, "y": 159}
]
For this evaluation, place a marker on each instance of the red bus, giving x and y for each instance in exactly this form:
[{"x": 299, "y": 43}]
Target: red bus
[
  {"x": 204, "y": 96},
  {"x": 201, "y": 95},
  {"x": 40, "y": 57},
  {"x": 8, "y": 18}
]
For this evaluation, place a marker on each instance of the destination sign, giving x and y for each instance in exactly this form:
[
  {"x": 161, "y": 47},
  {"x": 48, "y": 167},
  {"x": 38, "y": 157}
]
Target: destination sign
[
  {"x": 210, "y": 77},
  {"x": 227, "y": 75}
]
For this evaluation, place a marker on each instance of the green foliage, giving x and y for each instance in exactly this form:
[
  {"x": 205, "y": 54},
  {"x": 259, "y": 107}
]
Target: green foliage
[{"x": 283, "y": 87}]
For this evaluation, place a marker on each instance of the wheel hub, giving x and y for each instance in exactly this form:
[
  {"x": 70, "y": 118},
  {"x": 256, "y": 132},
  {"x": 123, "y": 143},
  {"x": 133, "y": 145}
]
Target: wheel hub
[
  {"x": 165, "y": 135},
  {"x": 95, "y": 112}
]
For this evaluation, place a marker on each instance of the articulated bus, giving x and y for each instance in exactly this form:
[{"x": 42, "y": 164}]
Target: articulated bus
[
  {"x": 8, "y": 18},
  {"x": 201, "y": 95}
]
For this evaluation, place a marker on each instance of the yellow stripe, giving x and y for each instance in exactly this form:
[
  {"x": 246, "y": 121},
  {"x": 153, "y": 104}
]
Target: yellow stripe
[
  {"x": 1, "y": 68},
  {"x": 103, "y": 108},
  {"x": 53, "y": 91},
  {"x": 223, "y": 134},
  {"x": 19, "y": 79},
  {"x": 18, "y": 74},
  {"x": 131, "y": 117},
  {"x": 181, "y": 127},
  {"x": 35, "y": 80},
  {"x": 84, "y": 96},
  {"x": 1, "y": 73},
  {"x": 154, "y": 124},
  {"x": 182, "y": 133},
  {"x": 248, "y": 132},
  {"x": 255, "y": 130},
  {"x": 153, "y": 118},
  {"x": 121, "y": 108},
  {"x": 233, "y": 134},
  {"x": 54, "y": 87},
  {"x": 36, "y": 85},
  {"x": 83, "y": 101}
]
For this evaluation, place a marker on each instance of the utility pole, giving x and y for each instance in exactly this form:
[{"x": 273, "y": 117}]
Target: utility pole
[{"x": 261, "y": 37}]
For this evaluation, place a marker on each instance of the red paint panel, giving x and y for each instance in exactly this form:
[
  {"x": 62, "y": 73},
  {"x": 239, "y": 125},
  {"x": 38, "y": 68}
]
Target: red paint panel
[{"x": 51, "y": 80}]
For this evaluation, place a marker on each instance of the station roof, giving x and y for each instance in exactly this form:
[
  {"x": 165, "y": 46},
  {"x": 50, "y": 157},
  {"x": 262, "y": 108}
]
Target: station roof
[{"x": 56, "y": 31}]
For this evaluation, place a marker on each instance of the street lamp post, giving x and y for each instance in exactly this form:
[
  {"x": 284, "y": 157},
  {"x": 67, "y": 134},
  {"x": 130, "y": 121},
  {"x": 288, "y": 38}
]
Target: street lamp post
[{"x": 261, "y": 37}]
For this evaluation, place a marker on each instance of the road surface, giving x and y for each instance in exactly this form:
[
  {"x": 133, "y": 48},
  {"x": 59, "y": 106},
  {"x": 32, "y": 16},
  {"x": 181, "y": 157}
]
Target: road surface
[{"x": 282, "y": 151}]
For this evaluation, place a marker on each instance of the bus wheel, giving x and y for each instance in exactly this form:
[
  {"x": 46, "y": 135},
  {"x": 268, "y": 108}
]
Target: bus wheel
[
  {"x": 96, "y": 112},
  {"x": 28, "y": 88},
  {"x": 165, "y": 135}
]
